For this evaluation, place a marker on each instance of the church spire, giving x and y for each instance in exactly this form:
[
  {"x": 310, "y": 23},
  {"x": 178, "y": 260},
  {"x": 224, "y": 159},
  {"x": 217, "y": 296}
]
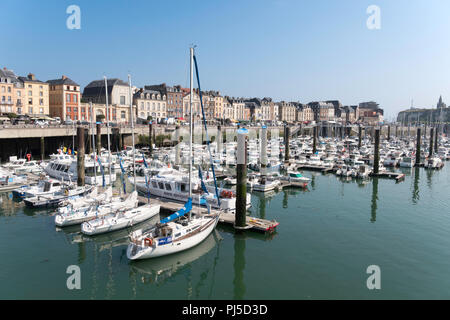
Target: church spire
[{"x": 439, "y": 105}]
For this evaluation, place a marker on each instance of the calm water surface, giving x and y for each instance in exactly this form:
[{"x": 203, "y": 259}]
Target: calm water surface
[{"x": 327, "y": 237}]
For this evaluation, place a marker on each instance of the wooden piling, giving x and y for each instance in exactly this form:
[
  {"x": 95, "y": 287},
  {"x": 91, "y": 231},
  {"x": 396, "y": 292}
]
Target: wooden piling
[
  {"x": 241, "y": 185},
  {"x": 436, "y": 136},
  {"x": 286, "y": 144},
  {"x": 150, "y": 132},
  {"x": 431, "y": 142},
  {"x": 376, "y": 156},
  {"x": 418, "y": 142},
  {"x": 263, "y": 147},
  {"x": 359, "y": 136},
  {"x": 315, "y": 140},
  {"x": 42, "y": 148},
  {"x": 99, "y": 138},
  {"x": 80, "y": 156}
]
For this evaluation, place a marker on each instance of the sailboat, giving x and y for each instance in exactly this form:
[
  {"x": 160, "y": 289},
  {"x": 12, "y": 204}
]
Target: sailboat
[
  {"x": 177, "y": 232},
  {"x": 123, "y": 217}
]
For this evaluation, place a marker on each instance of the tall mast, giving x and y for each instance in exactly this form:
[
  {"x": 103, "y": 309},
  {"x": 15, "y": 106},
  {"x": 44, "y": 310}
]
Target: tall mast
[
  {"x": 107, "y": 126},
  {"x": 190, "y": 123},
  {"x": 93, "y": 143},
  {"x": 132, "y": 132}
]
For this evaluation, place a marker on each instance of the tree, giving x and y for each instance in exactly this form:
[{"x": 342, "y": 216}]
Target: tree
[{"x": 100, "y": 117}]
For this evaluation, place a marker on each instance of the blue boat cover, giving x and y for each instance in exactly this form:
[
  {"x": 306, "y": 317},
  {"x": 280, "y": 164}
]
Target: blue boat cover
[{"x": 186, "y": 209}]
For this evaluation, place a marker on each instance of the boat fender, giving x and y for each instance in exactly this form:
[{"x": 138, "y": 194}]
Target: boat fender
[{"x": 148, "y": 242}]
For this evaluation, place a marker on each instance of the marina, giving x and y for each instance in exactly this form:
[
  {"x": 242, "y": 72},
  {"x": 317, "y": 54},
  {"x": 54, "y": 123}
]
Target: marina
[
  {"x": 397, "y": 225},
  {"x": 281, "y": 197}
]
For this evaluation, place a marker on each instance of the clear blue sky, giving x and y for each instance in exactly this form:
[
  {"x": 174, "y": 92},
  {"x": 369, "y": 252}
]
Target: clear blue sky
[{"x": 285, "y": 49}]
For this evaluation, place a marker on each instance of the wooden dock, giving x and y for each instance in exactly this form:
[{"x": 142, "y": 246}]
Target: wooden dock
[
  {"x": 255, "y": 224},
  {"x": 391, "y": 175}
]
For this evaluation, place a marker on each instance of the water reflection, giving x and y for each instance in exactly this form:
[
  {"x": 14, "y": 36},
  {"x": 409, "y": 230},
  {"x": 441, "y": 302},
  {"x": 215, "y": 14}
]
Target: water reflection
[
  {"x": 373, "y": 207},
  {"x": 415, "y": 195},
  {"x": 429, "y": 173},
  {"x": 239, "y": 266},
  {"x": 285, "y": 199},
  {"x": 159, "y": 270},
  {"x": 81, "y": 252},
  {"x": 8, "y": 204}
]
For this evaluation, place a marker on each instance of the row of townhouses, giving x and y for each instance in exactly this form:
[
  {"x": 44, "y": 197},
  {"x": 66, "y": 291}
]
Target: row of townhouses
[{"x": 63, "y": 98}]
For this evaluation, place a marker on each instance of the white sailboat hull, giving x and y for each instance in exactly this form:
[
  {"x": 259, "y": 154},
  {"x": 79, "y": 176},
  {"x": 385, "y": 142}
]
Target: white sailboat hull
[
  {"x": 114, "y": 223},
  {"x": 171, "y": 248}
]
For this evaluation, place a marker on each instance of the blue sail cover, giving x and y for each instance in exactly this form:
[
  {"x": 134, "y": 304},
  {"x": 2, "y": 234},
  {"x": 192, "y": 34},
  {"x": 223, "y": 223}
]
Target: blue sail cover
[
  {"x": 186, "y": 209},
  {"x": 145, "y": 162}
]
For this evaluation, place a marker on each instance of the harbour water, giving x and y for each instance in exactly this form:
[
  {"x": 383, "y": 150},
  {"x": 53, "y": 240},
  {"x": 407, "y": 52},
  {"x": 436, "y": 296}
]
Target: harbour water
[{"x": 327, "y": 237}]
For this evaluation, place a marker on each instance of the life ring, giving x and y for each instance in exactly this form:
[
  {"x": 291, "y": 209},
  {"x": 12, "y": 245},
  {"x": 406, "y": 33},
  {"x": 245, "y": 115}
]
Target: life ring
[{"x": 148, "y": 242}]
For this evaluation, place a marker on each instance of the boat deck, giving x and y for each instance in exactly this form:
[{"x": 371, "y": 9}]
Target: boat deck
[{"x": 254, "y": 224}]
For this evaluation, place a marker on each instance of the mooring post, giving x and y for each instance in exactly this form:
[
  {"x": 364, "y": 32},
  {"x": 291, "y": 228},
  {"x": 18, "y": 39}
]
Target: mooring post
[
  {"x": 376, "y": 156},
  {"x": 389, "y": 133},
  {"x": 436, "y": 136},
  {"x": 177, "y": 146},
  {"x": 241, "y": 185},
  {"x": 80, "y": 156},
  {"x": 418, "y": 142},
  {"x": 263, "y": 147},
  {"x": 150, "y": 131},
  {"x": 99, "y": 138},
  {"x": 431, "y": 142},
  {"x": 120, "y": 142},
  {"x": 359, "y": 136},
  {"x": 286, "y": 144},
  {"x": 219, "y": 139},
  {"x": 314, "y": 139},
  {"x": 42, "y": 148}
]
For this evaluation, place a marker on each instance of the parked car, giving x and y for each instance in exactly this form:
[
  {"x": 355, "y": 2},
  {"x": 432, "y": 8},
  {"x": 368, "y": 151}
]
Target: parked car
[
  {"x": 41, "y": 122},
  {"x": 69, "y": 122}
]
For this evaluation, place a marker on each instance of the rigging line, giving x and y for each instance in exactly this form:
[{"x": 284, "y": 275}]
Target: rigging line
[{"x": 206, "y": 130}]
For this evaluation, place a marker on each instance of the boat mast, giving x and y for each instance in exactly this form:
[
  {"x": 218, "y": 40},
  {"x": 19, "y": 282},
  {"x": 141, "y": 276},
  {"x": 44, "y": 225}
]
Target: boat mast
[
  {"x": 107, "y": 127},
  {"x": 93, "y": 143},
  {"x": 132, "y": 132},
  {"x": 190, "y": 123}
]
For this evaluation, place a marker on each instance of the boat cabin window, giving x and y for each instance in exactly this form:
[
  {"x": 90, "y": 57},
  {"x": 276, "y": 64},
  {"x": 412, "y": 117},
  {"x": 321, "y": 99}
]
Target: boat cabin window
[
  {"x": 161, "y": 185},
  {"x": 168, "y": 187},
  {"x": 154, "y": 185},
  {"x": 56, "y": 184},
  {"x": 183, "y": 187},
  {"x": 178, "y": 234}
]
